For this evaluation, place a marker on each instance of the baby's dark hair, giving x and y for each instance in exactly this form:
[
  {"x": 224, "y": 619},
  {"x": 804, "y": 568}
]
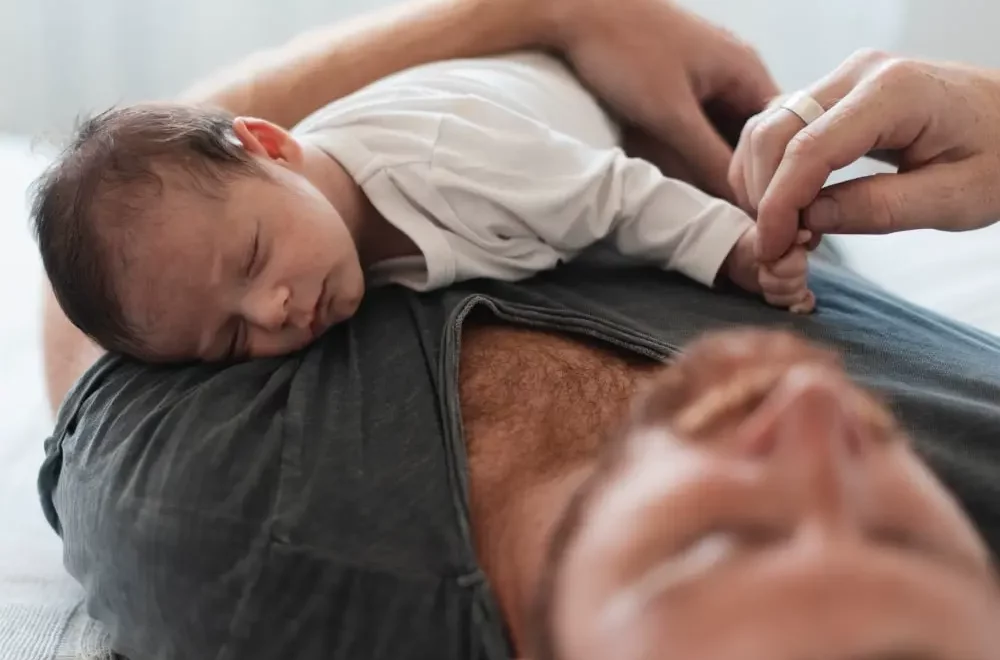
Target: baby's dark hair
[{"x": 105, "y": 182}]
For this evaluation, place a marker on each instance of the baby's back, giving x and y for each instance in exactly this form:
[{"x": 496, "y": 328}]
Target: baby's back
[{"x": 529, "y": 83}]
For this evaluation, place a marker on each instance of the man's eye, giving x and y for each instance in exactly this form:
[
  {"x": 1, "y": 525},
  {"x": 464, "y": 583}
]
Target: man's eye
[{"x": 904, "y": 541}]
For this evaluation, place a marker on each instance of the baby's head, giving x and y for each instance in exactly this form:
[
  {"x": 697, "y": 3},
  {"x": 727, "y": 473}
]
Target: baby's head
[{"x": 171, "y": 233}]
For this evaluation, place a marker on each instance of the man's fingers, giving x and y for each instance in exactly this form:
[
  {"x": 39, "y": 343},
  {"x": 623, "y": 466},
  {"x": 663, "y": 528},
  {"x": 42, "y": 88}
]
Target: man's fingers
[
  {"x": 869, "y": 104},
  {"x": 865, "y": 119},
  {"x": 920, "y": 199},
  {"x": 737, "y": 168},
  {"x": 702, "y": 148},
  {"x": 750, "y": 87},
  {"x": 776, "y": 128},
  {"x": 640, "y": 143}
]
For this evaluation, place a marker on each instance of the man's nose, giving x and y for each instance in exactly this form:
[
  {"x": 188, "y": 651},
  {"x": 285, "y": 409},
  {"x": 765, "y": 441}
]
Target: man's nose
[
  {"x": 269, "y": 309},
  {"x": 809, "y": 429}
]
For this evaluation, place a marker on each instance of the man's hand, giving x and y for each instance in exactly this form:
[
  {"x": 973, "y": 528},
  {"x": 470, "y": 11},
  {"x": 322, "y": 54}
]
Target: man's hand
[
  {"x": 661, "y": 68},
  {"x": 940, "y": 122}
]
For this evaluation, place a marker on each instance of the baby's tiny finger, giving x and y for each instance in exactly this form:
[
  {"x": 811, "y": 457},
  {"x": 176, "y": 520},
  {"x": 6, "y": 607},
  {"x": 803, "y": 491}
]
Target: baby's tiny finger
[
  {"x": 793, "y": 264},
  {"x": 771, "y": 283},
  {"x": 806, "y": 306},
  {"x": 784, "y": 300}
]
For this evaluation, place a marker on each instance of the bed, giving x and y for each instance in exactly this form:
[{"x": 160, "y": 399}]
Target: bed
[{"x": 40, "y": 613}]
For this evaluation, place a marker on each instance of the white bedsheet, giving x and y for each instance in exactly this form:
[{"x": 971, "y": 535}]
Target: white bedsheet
[
  {"x": 958, "y": 275},
  {"x": 25, "y": 419},
  {"x": 37, "y": 597},
  {"x": 954, "y": 274}
]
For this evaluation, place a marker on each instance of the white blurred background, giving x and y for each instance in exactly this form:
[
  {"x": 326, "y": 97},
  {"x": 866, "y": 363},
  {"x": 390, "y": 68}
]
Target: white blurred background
[{"x": 63, "y": 57}]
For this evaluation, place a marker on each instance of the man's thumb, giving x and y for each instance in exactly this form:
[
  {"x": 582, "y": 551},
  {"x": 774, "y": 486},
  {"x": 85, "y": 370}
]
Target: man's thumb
[{"x": 927, "y": 198}]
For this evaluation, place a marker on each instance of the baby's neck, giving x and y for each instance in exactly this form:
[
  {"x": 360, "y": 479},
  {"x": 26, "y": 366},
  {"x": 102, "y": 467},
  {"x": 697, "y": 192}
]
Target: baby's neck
[{"x": 375, "y": 238}]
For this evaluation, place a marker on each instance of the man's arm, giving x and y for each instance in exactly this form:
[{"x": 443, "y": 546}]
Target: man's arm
[{"x": 286, "y": 84}]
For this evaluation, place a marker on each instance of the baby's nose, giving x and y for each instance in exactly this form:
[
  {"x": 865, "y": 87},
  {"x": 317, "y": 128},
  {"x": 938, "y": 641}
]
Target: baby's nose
[{"x": 270, "y": 310}]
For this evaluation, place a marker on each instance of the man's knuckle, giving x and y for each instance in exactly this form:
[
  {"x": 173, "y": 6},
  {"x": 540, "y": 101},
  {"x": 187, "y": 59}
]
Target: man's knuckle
[
  {"x": 750, "y": 53},
  {"x": 898, "y": 72},
  {"x": 805, "y": 145},
  {"x": 735, "y": 177},
  {"x": 767, "y": 132},
  {"x": 886, "y": 209},
  {"x": 978, "y": 199},
  {"x": 867, "y": 57},
  {"x": 758, "y": 138}
]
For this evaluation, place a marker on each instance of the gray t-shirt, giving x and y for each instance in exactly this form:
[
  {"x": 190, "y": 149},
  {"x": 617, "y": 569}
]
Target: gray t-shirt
[{"x": 316, "y": 505}]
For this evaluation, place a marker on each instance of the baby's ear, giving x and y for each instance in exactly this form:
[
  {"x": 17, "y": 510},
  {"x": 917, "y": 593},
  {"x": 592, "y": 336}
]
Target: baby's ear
[{"x": 266, "y": 140}]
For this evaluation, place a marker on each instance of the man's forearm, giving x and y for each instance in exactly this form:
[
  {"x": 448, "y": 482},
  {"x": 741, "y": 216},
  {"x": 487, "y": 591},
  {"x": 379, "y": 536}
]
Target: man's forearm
[{"x": 287, "y": 83}]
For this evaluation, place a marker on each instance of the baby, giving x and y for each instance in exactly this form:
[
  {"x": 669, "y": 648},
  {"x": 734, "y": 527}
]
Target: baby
[{"x": 176, "y": 233}]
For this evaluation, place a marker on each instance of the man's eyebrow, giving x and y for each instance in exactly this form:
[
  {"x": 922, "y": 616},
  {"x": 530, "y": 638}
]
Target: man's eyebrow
[{"x": 725, "y": 397}]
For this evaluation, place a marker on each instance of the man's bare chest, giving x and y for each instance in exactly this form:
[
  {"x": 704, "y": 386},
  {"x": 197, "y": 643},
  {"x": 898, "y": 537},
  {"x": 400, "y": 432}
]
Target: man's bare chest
[{"x": 534, "y": 402}]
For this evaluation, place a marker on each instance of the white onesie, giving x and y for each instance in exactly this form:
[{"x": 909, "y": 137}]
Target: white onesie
[{"x": 503, "y": 167}]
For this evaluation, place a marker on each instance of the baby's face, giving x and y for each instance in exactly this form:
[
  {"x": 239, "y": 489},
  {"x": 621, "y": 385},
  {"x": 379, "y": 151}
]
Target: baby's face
[{"x": 262, "y": 273}]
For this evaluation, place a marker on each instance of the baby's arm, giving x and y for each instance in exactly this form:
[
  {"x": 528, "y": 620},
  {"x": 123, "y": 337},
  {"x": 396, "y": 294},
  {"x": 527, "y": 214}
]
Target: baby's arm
[
  {"x": 510, "y": 177},
  {"x": 708, "y": 220},
  {"x": 669, "y": 222}
]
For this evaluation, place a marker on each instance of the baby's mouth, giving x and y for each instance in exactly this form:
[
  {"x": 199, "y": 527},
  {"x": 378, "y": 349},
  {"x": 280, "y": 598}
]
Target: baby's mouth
[{"x": 318, "y": 324}]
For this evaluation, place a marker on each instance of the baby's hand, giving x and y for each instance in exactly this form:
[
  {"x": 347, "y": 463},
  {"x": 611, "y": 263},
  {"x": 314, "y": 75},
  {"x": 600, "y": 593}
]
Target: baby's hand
[{"x": 784, "y": 283}]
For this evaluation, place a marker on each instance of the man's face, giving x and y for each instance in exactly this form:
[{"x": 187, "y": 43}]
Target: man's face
[
  {"x": 762, "y": 507},
  {"x": 260, "y": 273}
]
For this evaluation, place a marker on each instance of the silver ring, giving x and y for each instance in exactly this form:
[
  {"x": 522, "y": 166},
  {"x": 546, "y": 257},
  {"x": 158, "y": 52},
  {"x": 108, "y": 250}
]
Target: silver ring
[{"x": 804, "y": 107}]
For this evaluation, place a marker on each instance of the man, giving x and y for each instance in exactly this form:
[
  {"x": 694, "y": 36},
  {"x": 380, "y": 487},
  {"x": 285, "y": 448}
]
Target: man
[
  {"x": 759, "y": 505},
  {"x": 394, "y": 490}
]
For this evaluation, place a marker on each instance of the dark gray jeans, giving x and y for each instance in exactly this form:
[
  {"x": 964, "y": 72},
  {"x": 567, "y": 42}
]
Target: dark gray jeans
[{"x": 315, "y": 506}]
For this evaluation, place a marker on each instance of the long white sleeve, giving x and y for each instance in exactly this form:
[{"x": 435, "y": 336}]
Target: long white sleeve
[
  {"x": 504, "y": 167},
  {"x": 512, "y": 181}
]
